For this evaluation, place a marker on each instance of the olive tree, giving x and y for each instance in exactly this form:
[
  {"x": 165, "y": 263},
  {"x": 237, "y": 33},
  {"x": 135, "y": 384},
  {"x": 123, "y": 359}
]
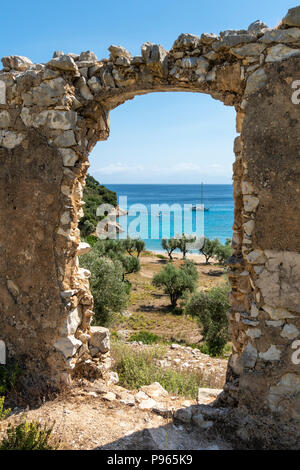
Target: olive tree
[{"x": 177, "y": 281}]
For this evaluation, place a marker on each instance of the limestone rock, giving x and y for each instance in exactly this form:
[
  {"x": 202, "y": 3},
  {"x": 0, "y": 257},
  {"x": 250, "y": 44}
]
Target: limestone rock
[
  {"x": 256, "y": 27},
  {"x": 47, "y": 93},
  {"x": 9, "y": 139},
  {"x": 63, "y": 62},
  {"x": 66, "y": 139},
  {"x": 95, "y": 84},
  {"x": 255, "y": 82},
  {"x": 249, "y": 50},
  {"x": 187, "y": 42},
  {"x": 118, "y": 51},
  {"x": 205, "y": 394},
  {"x": 248, "y": 357},
  {"x": 69, "y": 156},
  {"x": 208, "y": 38},
  {"x": 83, "y": 248},
  {"x": 280, "y": 279},
  {"x": 292, "y": 17},
  {"x": 290, "y": 331},
  {"x": 4, "y": 119},
  {"x": 155, "y": 391},
  {"x": 287, "y": 388},
  {"x": 67, "y": 345},
  {"x": 109, "y": 396},
  {"x": 272, "y": 354},
  {"x": 281, "y": 52},
  {"x": 256, "y": 257},
  {"x": 231, "y": 39},
  {"x": 285, "y": 36},
  {"x": 71, "y": 323},
  {"x": 16, "y": 62},
  {"x": 100, "y": 338},
  {"x": 184, "y": 415},
  {"x": 147, "y": 404},
  {"x": 87, "y": 56},
  {"x": 253, "y": 333},
  {"x": 275, "y": 313},
  {"x": 2, "y": 92},
  {"x": 55, "y": 119}
]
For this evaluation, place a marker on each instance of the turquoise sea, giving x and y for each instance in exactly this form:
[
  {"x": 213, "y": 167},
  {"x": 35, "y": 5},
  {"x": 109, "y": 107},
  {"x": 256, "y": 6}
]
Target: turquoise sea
[{"x": 218, "y": 220}]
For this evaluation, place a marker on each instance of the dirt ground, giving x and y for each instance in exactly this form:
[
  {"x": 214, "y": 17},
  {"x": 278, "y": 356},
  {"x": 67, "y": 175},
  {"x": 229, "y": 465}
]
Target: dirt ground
[{"x": 149, "y": 307}]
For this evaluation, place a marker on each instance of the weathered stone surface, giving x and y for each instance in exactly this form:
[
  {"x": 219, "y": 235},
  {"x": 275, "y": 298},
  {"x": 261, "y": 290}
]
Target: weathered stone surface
[
  {"x": 71, "y": 324},
  {"x": 16, "y": 62},
  {"x": 155, "y": 391},
  {"x": 87, "y": 56},
  {"x": 67, "y": 345},
  {"x": 256, "y": 81},
  {"x": 256, "y": 257},
  {"x": 9, "y": 139},
  {"x": 63, "y": 120},
  {"x": 207, "y": 394},
  {"x": 290, "y": 331},
  {"x": 95, "y": 84},
  {"x": 292, "y": 17},
  {"x": 279, "y": 281},
  {"x": 147, "y": 404},
  {"x": 63, "y": 62},
  {"x": 272, "y": 354},
  {"x": 184, "y": 415},
  {"x": 69, "y": 156},
  {"x": 118, "y": 51},
  {"x": 256, "y": 27},
  {"x": 4, "y": 119},
  {"x": 2, "y": 92},
  {"x": 46, "y": 94},
  {"x": 281, "y": 52},
  {"x": 186, "y": 41},
  {"x": 283, "y": 394},
  {"x": 285, "y": 36},
  {"x": 277, "y": 313},
  {"x": 83, "y": 248},
  {"x": 248, "y": 357},
  {"x": 249, "y": 50},
  {"x": 66, "y": 139},
  {"x": 100, "y": 338},
  {"x": 231, "y": 39},
  {"x": 253, "y": 333}
]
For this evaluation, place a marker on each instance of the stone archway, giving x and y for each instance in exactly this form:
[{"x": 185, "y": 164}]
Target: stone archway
[{"x": 51, "y": 116}]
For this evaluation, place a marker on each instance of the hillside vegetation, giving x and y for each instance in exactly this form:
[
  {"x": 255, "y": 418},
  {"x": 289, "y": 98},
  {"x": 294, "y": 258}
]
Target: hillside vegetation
[{"x": 94, "y": 194}]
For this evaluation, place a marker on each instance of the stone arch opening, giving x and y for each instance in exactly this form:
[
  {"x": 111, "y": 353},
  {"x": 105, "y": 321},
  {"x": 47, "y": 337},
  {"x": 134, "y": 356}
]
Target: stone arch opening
[{"x": 51, "y": 116}]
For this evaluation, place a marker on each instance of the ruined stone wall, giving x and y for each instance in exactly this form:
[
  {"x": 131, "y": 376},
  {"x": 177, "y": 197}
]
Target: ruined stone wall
[{"x": 51, "y": 116}]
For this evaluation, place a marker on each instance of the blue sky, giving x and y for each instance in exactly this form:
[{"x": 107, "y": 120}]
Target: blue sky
[{"x": 157, "y": 138}]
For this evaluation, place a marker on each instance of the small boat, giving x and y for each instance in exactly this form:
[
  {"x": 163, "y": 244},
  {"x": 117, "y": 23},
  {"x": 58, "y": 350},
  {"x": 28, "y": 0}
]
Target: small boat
[{"x": 201, "y": 206}]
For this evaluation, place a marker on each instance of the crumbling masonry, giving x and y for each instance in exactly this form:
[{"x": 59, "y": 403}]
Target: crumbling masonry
[{"x": 52, "y": 115}]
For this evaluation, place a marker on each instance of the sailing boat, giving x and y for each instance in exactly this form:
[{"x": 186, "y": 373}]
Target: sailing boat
[{"x": 201, "y": 207}]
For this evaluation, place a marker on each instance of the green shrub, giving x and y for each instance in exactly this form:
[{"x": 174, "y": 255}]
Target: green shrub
[
  {"x": 169, "y": 245},
  {"x": 133, "y": 245},
  {"x": 176, "y": 281},
  {"x": 107, "y": 286},
  {"x": 209, "y": 248},
  {"x": 138, "y": 368},
  {"x": 223, "y": 252},
  {"x": 146, "y": 337},
  {"x": 183, "y": 243},
  {"x": 9, "y": 375},
  {"x": 94, "y": 194},
  {"x": 3, "y": 413},
  {"x": 29, "y": 436},
  {"x": 210, "y": 308}
]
